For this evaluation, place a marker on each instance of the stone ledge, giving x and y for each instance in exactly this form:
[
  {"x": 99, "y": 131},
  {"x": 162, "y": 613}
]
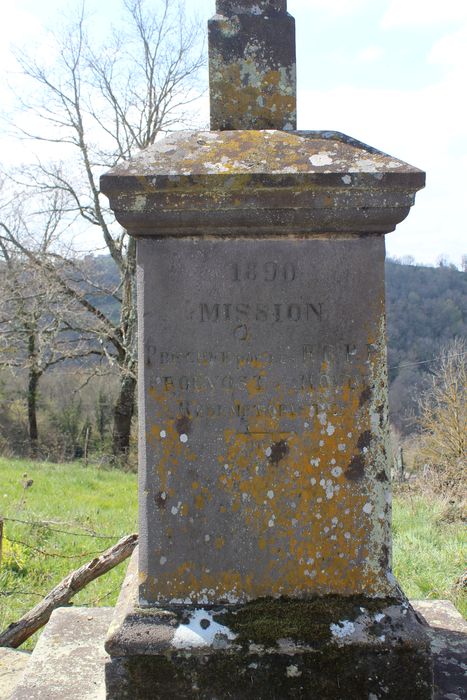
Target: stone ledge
[
  {"x": 68, "y": 661},
  {"x": 57, "y": 679},
  {"x": 12, "y": 666}
]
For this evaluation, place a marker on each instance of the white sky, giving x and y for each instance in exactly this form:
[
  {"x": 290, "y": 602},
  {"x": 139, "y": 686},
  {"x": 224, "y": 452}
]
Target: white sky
[{"x": 391, "y": 73}]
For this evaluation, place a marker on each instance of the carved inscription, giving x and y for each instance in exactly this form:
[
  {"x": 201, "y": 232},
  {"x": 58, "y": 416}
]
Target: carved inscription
[
  {"x": 217, "y": 312},
  {"x": 221, "y": 383},
  {"x": 259, "y": 341},
  {"x": 264, "y": 272}
]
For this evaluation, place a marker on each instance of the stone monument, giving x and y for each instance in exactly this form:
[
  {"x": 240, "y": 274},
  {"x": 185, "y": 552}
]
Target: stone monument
[{"x": 264, "y": 566}]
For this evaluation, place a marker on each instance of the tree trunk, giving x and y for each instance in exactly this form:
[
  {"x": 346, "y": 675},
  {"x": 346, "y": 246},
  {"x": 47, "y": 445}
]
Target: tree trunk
[
  {"x": 33, "y": 384},
  {"x": 123, "y": 414},
  {"x": 124, "y": 408}
]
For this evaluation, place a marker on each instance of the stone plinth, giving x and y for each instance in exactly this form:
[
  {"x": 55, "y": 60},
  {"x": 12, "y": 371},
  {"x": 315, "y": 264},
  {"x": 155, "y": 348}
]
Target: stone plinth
[
  {"x": 325, "y": 647},
  {"x": 264, "y": 483}
]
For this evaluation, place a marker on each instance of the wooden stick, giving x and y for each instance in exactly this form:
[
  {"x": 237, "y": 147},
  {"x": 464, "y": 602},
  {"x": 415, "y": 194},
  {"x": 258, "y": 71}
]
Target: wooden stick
[{"x": 19, "y": 631}]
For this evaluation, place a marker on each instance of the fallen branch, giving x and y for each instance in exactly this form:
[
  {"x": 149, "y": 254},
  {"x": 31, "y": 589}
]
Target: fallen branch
[{"x": 19, "y": 631}]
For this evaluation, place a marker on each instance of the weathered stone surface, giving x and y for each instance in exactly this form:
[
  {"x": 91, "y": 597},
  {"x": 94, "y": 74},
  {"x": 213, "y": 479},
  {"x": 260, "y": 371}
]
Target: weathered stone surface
[
  {"x": 268, "y": 650},
  {"x": 263, "y": 420},
  {"x": 448, "y": 635},
  {"x": 250, "y": 7},
  {"x": 12, "y": 666},
  {"x": 252, "y": 66},
  {"x": 264, "y": 481},
  {"x": 259, "y": 183},
  {"x": 68, "y": 661}
]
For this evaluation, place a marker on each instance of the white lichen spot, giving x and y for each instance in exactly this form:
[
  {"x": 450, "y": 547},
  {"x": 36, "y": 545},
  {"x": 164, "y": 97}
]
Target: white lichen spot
[
  {"x": 268, "y": 452},
  {"x": 293, "y": 672},
  {"x": 271, "y": 522},
  {"x": 183, "y": 438},
  {"x": 330, "y": 429},
  {"x": 322, "y": 483},
  {"x": 162, "y": 561},
  {"x": 321, "y": 443},
  {"x": 347, "y": 180},
  {"x": 294, "y": 522},
  {"x": 297, "y": 474},
  {"x": 368, "y": 508},
  {"x": 337, "y": 471},
  {"x": 347, "y": 535},
  {"x": 334, "y": 521},
  {"x": 344, "y": 628},
  {"x": 379, "y": 617},
  {"x": 322, "y": 418},
  {"x": 342, "y": 447},
  {"x": 329, "y": 492},
  {"x": 226, "y": 466},
  {"x": 176, "y": 508},
  {"x": 367, "y": 164},
  {"x": 313, "y": 482},
  {"x": 270, "y": 495},
  {"x": 320, "y": 159},
  {"x": 163, "y": 434},
  {"x": 201, "y": 631},
  {"x": 207, "y": 538},
  {"x": 315, "y": 462}
]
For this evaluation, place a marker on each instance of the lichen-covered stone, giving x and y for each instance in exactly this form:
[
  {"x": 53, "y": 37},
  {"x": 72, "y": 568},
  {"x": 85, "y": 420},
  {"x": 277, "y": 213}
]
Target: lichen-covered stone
[
  {"x": 261, "y": 183},
  {"x": 252, "y": 69},
  {"x": 268, "y": 650}
]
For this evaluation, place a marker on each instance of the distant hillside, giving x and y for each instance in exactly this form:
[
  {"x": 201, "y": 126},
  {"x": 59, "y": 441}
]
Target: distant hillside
[{"x": 426, "y": 307}]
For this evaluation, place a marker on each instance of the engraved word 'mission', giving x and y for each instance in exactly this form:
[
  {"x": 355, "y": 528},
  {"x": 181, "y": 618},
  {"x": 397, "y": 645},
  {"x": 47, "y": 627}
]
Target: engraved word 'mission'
[{"x": 240, "y": 313}]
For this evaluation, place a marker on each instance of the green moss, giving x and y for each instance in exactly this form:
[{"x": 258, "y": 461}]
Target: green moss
[{"x": 266, "y": 620}]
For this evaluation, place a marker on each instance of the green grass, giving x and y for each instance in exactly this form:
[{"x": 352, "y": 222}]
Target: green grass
[
  {"x": 71, "y": 498},
  {"x": 429, "y": 554}
]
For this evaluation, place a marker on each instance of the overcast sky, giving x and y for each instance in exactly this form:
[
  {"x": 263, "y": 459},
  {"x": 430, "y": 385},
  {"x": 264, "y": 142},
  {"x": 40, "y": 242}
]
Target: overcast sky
[{"x": 391, "y": 73}]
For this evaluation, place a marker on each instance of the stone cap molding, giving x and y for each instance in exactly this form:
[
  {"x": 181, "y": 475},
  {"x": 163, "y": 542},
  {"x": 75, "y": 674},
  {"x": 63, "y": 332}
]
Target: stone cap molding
[{"x": 258, "y": 183}]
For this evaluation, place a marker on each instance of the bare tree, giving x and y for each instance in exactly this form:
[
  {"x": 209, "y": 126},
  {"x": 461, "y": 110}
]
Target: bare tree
[
  {"x": 103, "y": 104},
  {"x": 443, "y": 416},
  {"x": 42, "y": 324}
]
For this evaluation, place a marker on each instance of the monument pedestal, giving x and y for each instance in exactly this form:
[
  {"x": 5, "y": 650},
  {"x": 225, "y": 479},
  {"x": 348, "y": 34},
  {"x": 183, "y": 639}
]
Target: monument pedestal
[
  {"x": 265, "y": 548},
  {"x": 270, "y": 649}
]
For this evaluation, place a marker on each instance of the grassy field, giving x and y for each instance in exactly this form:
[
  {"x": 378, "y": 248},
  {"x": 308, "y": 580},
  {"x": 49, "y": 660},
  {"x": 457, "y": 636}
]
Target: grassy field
[
  {"x": 74, "y": 504},
  {"x": 69, "y": 498}
]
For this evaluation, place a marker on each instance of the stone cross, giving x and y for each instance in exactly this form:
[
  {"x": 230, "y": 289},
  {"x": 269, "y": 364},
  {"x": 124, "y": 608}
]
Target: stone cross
[
  {"x": 264, "y": 565},
  {"x": 252, "y": 66}
]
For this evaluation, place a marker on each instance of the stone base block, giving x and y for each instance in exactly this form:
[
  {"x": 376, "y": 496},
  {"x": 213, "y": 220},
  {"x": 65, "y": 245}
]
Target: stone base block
[{"x": 331, "y": 647}]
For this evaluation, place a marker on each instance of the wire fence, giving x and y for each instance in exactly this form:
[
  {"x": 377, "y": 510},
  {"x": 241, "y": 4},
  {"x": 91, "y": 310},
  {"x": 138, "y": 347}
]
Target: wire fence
[{"x": 51, "y": 527}]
